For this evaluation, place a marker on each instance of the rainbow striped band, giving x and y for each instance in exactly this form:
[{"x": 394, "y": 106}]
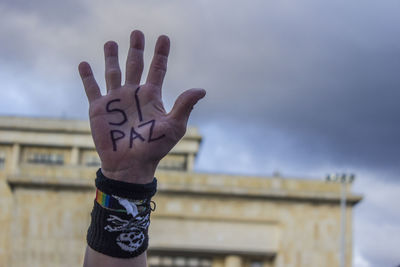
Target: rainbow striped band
[{"x": 108, "y": 201}]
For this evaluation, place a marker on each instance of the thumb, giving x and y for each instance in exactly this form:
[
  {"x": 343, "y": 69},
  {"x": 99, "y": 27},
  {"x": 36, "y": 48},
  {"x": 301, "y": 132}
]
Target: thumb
[{"x": 184, "y": 104}]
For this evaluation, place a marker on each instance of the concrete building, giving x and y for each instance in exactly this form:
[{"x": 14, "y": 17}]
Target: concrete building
[{"x": 47, "y": 170}]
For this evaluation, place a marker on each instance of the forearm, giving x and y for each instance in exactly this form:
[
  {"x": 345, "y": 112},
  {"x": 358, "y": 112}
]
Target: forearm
[{"x": 96, "y": 259}]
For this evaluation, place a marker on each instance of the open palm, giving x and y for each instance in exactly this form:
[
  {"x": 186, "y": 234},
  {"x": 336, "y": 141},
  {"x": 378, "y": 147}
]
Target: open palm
[{"x": 131, "y": 130}]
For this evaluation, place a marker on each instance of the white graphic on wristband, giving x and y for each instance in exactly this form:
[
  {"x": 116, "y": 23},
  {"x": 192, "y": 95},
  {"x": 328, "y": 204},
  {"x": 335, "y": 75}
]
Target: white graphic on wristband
[
  {"x": 132, "y": 236},
  {"x": 130, "y": 206}
]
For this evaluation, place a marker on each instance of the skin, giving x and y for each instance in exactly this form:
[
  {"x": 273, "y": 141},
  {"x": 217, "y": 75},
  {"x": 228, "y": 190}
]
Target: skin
[{"x": 136, "y": 164}]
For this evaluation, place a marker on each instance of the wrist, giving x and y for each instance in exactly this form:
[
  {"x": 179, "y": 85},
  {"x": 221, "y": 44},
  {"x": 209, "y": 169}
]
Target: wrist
[{"x": 141, "y": 174}]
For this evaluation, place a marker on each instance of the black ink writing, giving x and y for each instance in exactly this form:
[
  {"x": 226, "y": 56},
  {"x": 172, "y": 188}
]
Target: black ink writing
[
  {"x": 138, "y": 104},
  {"x": 115, "y": 138},
  {"x": 124, "y": 119},
  {"x": 151, "y": 139},
  {"x": 135, "y": 135},
  {"x": 117, "y": 135}
]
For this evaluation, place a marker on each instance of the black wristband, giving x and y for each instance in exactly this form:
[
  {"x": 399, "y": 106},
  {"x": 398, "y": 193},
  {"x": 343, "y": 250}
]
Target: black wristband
[
  {"x": 123, "y": 189},
  {"x": 122, "y": 232}
]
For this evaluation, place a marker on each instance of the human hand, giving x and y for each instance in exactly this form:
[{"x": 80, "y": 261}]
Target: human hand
[{"x": 131, "y": 130}]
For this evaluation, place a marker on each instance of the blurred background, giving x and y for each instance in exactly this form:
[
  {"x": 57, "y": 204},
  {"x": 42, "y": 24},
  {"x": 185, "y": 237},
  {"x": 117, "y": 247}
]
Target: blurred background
[{"x": 299, "y": 89}]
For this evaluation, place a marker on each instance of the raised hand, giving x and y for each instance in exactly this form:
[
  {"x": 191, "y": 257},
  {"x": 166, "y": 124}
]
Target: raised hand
[{"x": 131, "y": 130}]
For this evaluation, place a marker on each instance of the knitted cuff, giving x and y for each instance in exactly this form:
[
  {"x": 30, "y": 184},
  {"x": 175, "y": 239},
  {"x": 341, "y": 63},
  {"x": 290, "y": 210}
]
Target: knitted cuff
[
  {"x": 120, "y": 217},
  {"x": 123, "y": 189}
]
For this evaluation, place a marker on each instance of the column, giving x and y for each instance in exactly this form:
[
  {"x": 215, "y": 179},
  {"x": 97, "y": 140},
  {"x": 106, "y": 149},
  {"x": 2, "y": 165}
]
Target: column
[
  {"x": 74, "y": 156},
  {"x": 189, "y": 162},
  {"x": 233, "y": 261},
  {"x": 15, "y": 156}
]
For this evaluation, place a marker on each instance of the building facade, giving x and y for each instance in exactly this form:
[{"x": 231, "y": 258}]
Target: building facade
[{"x": 47, "y": 171}]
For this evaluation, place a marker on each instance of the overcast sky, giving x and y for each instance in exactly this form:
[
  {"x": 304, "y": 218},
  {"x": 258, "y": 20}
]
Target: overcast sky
[{"x": 303, "y": 88}]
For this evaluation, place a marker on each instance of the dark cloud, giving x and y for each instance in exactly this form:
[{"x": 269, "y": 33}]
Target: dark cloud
[
  {"x": 59, "y": 12},
  {"x": 35, "y": 32},
  {"x": 326, "y": 76}
]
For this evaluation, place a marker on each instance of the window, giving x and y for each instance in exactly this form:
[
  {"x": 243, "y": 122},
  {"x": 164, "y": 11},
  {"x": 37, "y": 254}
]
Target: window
[
  {"x": 176, "y": 162},
  {"x": 46, "y": 158},
  {"x": 92, "y": 161},
  {"x": 179, "y": 261},
  {"x": 256, "y": 264},
  {"x": 2, "y": 159},
  {"x": 90, "y": 158}
]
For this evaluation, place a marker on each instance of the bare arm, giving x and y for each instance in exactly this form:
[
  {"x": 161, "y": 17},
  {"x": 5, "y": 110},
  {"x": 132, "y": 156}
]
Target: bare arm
[
  {"x": 131, "y": 130},
  {"x": 96, "y": 259}
]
